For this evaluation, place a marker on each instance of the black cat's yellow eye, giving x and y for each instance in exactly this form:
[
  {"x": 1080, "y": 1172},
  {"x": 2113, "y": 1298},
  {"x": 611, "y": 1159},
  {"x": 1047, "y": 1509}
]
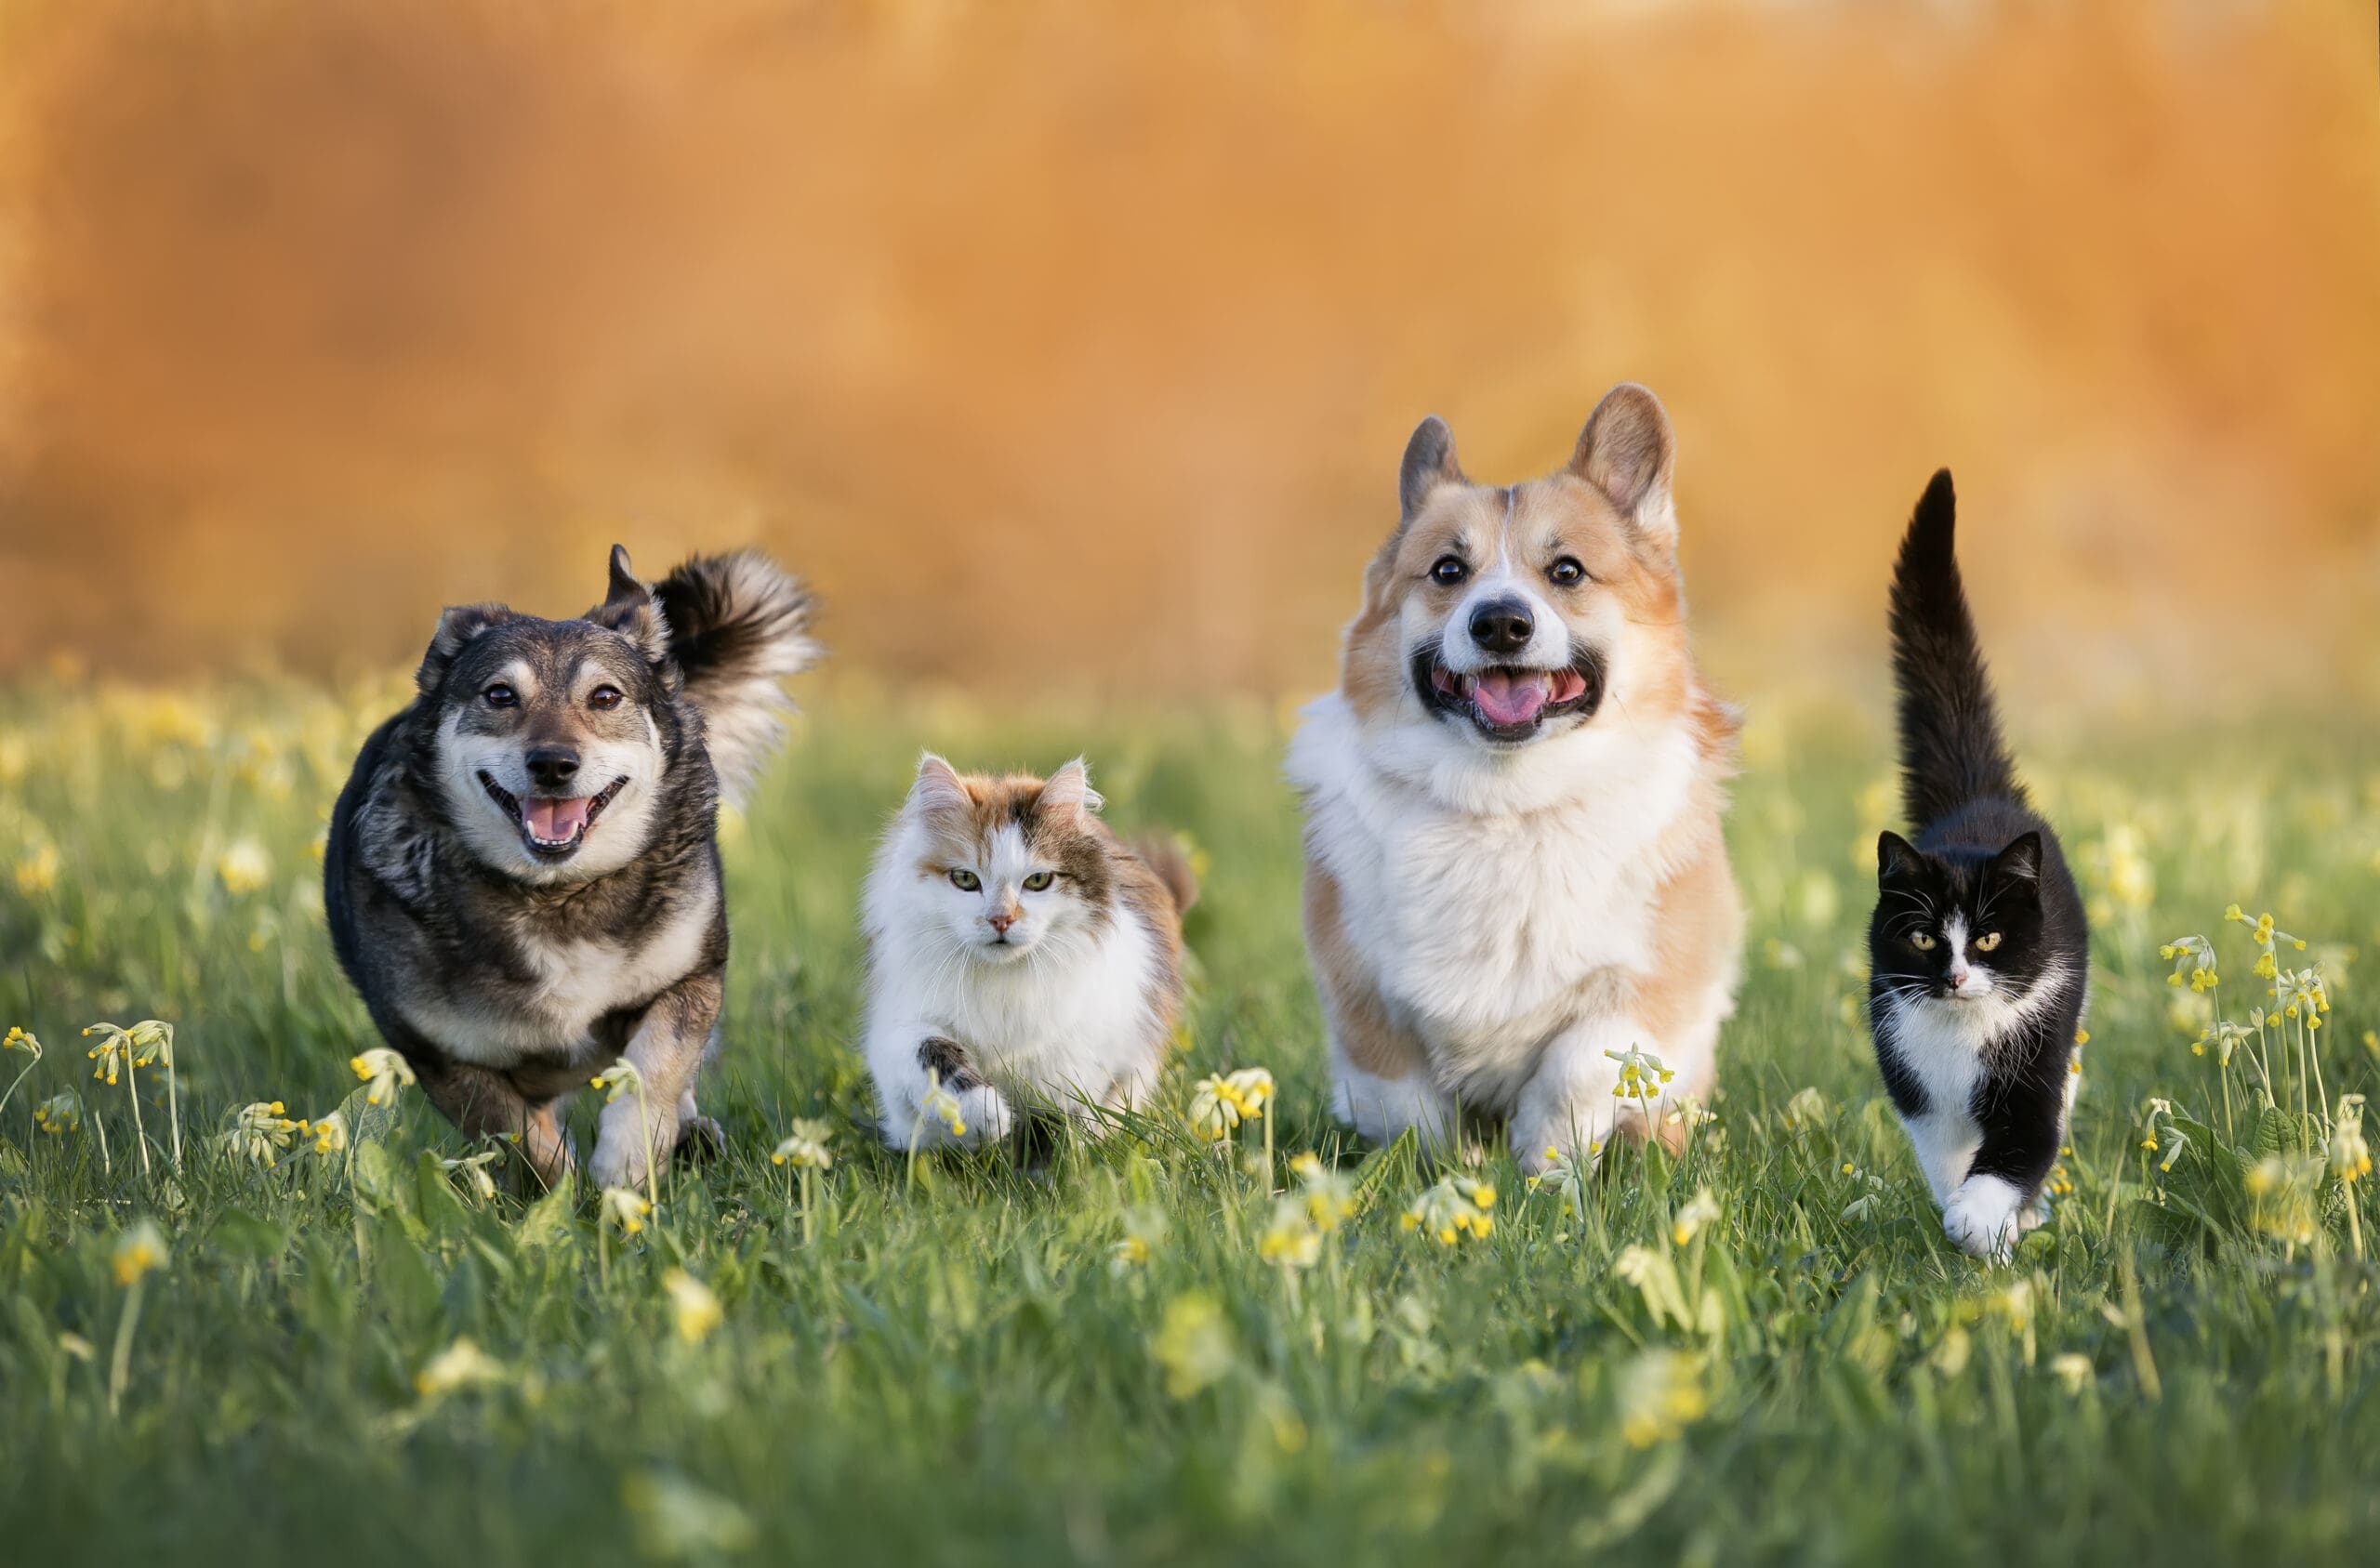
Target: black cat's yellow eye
[
  {"x": 1040, "y": 880},
  {"x": 1921, "y": 941},
  {"x": 965, "y": 881},
  {"x": 1987, "y": 943},
  {"x": 1449, "y": 570}
]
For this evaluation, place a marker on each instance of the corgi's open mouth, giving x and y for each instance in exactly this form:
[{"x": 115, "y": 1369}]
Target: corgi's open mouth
[
  {"x": 553, "y": 826},
  {"x": 1506, "y": 704}
]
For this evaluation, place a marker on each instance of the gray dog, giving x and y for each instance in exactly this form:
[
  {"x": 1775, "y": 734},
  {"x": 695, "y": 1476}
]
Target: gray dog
[{"x": 522, "y": 874}]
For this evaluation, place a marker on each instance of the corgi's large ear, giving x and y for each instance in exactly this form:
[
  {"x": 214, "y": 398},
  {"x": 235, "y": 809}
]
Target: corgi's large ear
[
  {"x": 457, "y": 626},
  {"x": 1429, "y": 462},
  {"x": 939, "y": 792},
  {"x": 631, "y": 610},
  {"x": 1628, "y": 453},
  {"x": 1068, "y": 793}
]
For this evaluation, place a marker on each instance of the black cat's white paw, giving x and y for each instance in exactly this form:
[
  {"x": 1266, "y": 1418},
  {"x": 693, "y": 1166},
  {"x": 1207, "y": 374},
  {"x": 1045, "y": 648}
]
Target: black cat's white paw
[{"x": 1986, "y": 1216}]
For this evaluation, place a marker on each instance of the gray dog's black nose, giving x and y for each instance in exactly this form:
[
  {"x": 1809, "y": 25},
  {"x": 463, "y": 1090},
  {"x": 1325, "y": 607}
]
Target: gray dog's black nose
[
  {"x": 1502, "y": 625},
  {"x": 553, "y": 767}
]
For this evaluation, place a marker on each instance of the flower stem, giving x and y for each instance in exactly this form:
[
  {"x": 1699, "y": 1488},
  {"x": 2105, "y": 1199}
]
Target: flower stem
[
  {"x": 120, "y": 1365},
  {"x": 132, "y": 1090}
]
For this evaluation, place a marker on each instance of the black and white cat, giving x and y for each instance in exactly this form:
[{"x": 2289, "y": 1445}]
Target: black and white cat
[{"x": 1980, "y": 954}]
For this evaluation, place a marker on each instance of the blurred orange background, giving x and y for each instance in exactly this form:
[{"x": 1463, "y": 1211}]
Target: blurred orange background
[{"x": 1074, "y": 344}]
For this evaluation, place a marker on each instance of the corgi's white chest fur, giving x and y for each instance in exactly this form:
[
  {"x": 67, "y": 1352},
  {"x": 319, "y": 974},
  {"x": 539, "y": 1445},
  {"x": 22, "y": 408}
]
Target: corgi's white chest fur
[{"x": 1490, "y": 929}]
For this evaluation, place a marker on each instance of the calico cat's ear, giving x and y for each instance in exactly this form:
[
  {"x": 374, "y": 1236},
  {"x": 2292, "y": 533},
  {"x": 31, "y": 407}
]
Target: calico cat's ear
[
  {"x": 1068, "y": 794},
  {"x": 939, "y": 790},
  {"x": 1628, "y": 453},
  {"x": 2020, "y": 862},
  {"x": 1896, "y": 858}
]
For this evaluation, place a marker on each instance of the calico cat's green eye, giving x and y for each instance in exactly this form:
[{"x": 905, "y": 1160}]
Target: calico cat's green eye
[
  {"x": 965, "y": 881},
  {"x": 1040, "y": 880},
  {"x": 1985, "y": 943},
  {"x": 1921, "y": 941}
]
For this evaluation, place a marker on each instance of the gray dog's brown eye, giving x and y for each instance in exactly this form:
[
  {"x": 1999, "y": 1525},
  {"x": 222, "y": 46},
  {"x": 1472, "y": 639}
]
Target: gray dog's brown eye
[
  {"x": 604, "y": 697},
  {"x": 1568, "y": 573},
  {"x": 500, "y": 695},
  {"x": 1449, "y": 571}
]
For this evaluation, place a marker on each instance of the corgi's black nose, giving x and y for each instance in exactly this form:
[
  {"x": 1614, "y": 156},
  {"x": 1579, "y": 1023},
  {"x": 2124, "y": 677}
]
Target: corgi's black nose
[
  {"x": 553, "y": 767},
  {"x": 1502, "y": 625}
]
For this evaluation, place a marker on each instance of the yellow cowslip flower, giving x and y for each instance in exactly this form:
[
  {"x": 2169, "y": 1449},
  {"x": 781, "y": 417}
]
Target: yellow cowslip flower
[
  {"x": 621, "y": 1077},
  {"x": 244, "y": 867},
  {"x": 943, "y": 1106},
  {"x": 139, "y": 1252},
  {"x": 1251, "y": 1091},
  {"x": 2350, "y": 1156},
  {"x": 1193, "y": 1345},
  {"x": 112, "y": 1051},
  {"x": 1566, "y": 1178},
  {"x": 1291, "y": 1241},
  {"x": 1329, "y": 1197},
  {"x": 472, "y": 1169},
  {"x": 21, "y": 1040},
  {"x": 694, "y": 1311},
  {"x": 329, "y": 1134},
  {"x": 1454, "y": 1208},
  {"x": 2193, "y": 960},
  {"x": 383, "y": 1068},
  {"x": 626, "y": 1208},
  {"x": 1698, "y": 1212},
  {"x": 37, "y": 869},
  {"x": 1214, "y": 1108},
  {"x": 2073, "y": 1371},
  {"x": 1660, "y": 1395},
  {"x": 459, "y": 1366},
  {"x": 261, "y": 1131},
  {"x": 60, "y": 1115},
  {"x": 1642, "y": 1076},
  {"x": 805, "y": 1146},
  {"x": 1144, "y": 1232},
  {"x": 2280, "y": 1197}
]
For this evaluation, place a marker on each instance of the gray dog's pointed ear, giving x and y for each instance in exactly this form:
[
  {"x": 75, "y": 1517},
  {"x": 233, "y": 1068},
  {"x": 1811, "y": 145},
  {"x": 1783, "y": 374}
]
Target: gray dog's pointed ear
[
  {"x": 631, "y": 610},
  {"x": 457, "y": 626},
  {"x": 1629, "y": 451},
  {"x": 1429, "y": 462}
]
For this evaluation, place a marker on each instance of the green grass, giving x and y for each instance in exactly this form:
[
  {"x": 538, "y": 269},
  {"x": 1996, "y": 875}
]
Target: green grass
[{"x": 955, "y": 1371}]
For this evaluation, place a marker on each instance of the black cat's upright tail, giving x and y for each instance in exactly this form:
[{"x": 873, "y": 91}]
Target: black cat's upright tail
[{"x": 1950, "y": 749}]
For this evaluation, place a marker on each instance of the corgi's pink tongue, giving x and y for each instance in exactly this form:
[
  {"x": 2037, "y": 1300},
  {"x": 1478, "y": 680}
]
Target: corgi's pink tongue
[
  {"x": 1507, "y": 698},
  {"x": 554, "y": 822}
]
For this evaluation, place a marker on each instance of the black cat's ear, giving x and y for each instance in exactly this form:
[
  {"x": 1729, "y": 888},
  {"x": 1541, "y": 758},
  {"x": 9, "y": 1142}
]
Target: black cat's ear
[
  {"x": 1896, "y": 858},
  {"x": 2020, "y": 862}
]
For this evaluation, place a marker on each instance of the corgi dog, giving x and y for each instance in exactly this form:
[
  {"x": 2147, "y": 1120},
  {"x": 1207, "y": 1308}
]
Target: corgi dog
[{"x": 1515, "y": 875}]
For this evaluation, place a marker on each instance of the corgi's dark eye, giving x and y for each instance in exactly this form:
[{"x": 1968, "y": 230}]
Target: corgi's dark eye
[
  {"x": 965, "y": 881},
  {"x": 1566, "y": 572},
  {"x": 1040, "y": 880},
  {"x": 501, "y": 696},
  {"x": 603, "y": 698},
  {"x": 1449, "y": 571}
]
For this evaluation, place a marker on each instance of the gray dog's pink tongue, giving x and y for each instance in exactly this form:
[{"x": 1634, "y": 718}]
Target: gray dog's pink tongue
[
  {"x": 554, "y": 822},
  {"x": 1507, "y": 698}
]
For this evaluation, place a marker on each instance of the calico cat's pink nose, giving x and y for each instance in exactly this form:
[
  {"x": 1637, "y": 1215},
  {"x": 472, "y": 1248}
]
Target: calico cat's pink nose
[{"x": 1001, "y": 920}]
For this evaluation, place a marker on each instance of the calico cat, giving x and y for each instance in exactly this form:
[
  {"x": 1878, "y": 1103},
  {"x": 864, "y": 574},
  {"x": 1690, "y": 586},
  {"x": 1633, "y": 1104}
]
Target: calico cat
[
  {"x": 1020, "y": 956},
  {"x": 1979, "y": 952}
]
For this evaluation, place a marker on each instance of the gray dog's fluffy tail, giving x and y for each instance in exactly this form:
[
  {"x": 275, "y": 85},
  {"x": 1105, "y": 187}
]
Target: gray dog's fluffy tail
[{"x": 738, "y": 624}]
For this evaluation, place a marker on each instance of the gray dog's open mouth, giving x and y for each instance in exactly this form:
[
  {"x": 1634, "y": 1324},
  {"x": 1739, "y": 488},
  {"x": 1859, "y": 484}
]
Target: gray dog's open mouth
[
  {"x": 1505, "y": 703},
  {"x": 552, "y": 826}
]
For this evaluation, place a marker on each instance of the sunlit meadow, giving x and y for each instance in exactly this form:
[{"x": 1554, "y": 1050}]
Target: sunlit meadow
[{"x": 257, "y": 1303}]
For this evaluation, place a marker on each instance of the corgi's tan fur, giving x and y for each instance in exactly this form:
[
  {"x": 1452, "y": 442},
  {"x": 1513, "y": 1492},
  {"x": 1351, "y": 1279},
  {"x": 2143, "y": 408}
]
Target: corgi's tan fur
[{"x": 1513, "y": 856}]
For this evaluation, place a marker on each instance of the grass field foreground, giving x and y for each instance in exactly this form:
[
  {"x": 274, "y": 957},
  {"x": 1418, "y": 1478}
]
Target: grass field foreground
[{"x": 241, "y": 1331}]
